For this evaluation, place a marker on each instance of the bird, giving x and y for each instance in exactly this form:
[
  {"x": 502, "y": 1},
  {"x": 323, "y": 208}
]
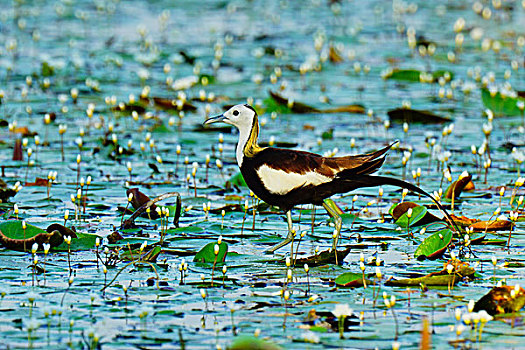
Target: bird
[{"x": 285, "y": 178}]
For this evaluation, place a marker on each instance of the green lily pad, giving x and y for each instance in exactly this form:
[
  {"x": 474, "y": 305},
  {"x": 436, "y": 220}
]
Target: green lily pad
[
  {"x": 500, "y": 105},
  {"x": 418, "y": 213},
  {"x": 207, "y": 253},
  {"x": 150, "y": 256},
  {"x": 249, "y": 342},
  {"x": 435, "y": 245},
  {"x": 350, "y": 279},
  {"x": 429, "y": 280},
  {"x": 13, "y": 229},
  {"x": 414, "y": 74},
  {"x": 84, "y": 241}
]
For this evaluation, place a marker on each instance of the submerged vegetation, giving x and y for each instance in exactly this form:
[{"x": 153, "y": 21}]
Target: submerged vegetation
[{"x": 124, "y": 222}]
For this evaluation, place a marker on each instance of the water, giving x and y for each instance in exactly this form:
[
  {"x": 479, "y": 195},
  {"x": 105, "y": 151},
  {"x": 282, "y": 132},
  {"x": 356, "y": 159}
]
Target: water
[{"x": 108, "y": 48}]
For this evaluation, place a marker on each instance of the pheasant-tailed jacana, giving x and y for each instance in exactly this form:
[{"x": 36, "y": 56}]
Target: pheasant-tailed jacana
[{"x": 286, "y": 178}]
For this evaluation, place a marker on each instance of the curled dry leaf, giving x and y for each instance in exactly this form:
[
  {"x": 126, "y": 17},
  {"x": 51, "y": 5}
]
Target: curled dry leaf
[
  {"x": 416, "y": 116},
  {"x": 65, "y": 231},
  {"x": 499, "y": 300},
  {"x": 324, "y": 258},
  {"x": 54, "y": 238},
  {"x": 334, "y": 55},
  {"x": 301, "y": 108},
  {"x": 296, "y": 107},
  {"x": 139, "y": 199},
  {"x": 128, "y": 223},
  {"x": 439, "y": 278},
  {"x": 459, "y": 186},
  {"x": 497, "y": 225},
  {"x": 18, "y": 153},
  {"x": 463, "y": 220}
]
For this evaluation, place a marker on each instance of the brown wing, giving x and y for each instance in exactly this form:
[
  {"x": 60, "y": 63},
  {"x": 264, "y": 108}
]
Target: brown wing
[{"x": 301, "y": 162}]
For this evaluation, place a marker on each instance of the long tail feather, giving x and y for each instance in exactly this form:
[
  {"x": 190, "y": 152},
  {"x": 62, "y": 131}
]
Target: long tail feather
[{"x": 373, "y": 180}]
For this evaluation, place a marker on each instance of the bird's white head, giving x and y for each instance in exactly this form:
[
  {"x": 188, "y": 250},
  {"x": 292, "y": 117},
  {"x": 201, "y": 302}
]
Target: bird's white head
[
  {"x": 244, "y": 118},
  {"x": 241, "y": 116}
]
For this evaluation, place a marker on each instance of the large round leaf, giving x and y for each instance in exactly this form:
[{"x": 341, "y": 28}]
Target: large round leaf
[
  {"x": 350, "y": 279},
  {"x": 434, "y": 246},
  {"x": 418, "y": 213},
  {"x": 13, "y": 229},
  {"x": 207, "y": 253}
]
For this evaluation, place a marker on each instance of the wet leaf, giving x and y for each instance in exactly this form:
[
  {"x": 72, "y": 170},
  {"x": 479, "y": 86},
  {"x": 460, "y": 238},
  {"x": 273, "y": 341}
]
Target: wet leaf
[
  {"x": 414, "y": 75},
  {"x": 355, "y": 108},
  {"x": 430, "y": 280},
  {"x": 351, "y": 279},
  {"x": 418, "y": 213},
  {"x": 457, "y": 187},
  {"x": 499, "y": 105},
  {"x": 65, "y": 231},
  {"x": 84, "y": 241},
  {"x": 14, "y": 237},
  {"x": 398, "y": 210},
  {"x": 334, "y": 55},
  {"x": 18, "y": 153},
  {"x": 253, "y": 343},
  {"x": 13, "y": 229},
  {"x": 6, "y": 193},
  {"x": 139, "y": 199},
  {"x": 295, "y": 107},
  {"x": 416, "y": 116},
  {"x": 496, "y": 225},
  {"x": 207, "y": 253},
  {"x": 150, "y": 256},
  {"x": 324, "y": 258},
  {"x": 434, "y": 246}
]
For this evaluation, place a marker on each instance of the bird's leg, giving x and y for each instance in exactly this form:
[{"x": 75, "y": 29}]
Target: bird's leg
[
  {"x": 288, "y": 238},
  {"x": 338, "y": 223}
]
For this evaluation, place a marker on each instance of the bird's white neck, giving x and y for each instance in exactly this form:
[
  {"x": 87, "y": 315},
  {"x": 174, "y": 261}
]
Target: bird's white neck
[
  {"x": 247, "y": 145},
  {"x": 244, "y": 136}
]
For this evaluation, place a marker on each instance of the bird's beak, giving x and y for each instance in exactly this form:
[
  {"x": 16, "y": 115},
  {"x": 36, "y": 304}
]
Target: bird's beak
[{"x": 215, "y": 119}]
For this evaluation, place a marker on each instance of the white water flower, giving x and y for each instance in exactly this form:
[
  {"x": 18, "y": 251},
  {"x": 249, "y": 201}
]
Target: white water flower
[
  {"x": 311, "y": 337},
  {"x": 342, "y": 310}
]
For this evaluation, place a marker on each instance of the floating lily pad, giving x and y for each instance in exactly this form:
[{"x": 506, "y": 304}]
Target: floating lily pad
[
  {"x": 397, "y": 210},
  {"x": 499, "y": 105},
  {"x": 439, "y": 278},
  {"x": 324, "y": 258},
  {"x": 249, "y": 342},
  {"x": 415, "y": 75},
  {"x": 84, "y": 241},
  {"x": 418, "y": 213},
  {"x": 207, "y": 253},
  {"x": 496, "y": 225},
  {"x": 150, "y": 256},
  {"x": 351, "y": 279},
  {"x": 435, "y": 245},
  {"x": 435, "y": 280},
  {"x": 13, "y": 236}
]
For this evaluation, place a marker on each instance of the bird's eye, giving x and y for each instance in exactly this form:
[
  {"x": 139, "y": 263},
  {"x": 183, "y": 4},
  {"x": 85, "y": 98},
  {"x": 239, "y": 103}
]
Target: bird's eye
[{"x": 235, "y": 113}]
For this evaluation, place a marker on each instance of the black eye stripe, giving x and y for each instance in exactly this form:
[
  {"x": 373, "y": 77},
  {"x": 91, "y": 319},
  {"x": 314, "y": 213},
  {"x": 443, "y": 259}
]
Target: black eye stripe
[{"x": 235, "y": 113}]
